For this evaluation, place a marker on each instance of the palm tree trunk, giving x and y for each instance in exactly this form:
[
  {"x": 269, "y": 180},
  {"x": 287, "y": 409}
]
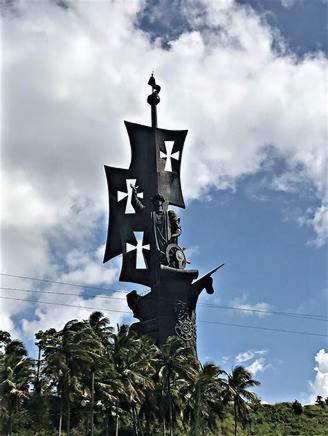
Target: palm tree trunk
[
  {"x": 107, "y": 425},
  {"x": 140, "y": 426},
  {"x": 116, "y": 425},
  {"x": 37, "y": 383},
  {"x": 171, "y": 417},
  {"x": 134, "y": 418},
  {"x": 68, "y": 423},
  {"x": 139, "y": 422},
  {"x": 60, "y": 422},
  {"x": 86, "y": 423},
  {"x": 10, "y": 425},
  {"x": 60, "y": 415},
  {"x": 196, "y": 428},
  {"x": 235, "y": 414},
  {"x": 147, "y": 425},
  {"x": 92, "y": 401},
  {"x": 170, "y": 404}
]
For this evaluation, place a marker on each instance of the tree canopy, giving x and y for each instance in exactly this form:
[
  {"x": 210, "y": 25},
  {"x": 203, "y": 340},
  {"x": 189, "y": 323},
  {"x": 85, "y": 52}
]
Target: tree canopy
[{"x": 89, "y": 379}]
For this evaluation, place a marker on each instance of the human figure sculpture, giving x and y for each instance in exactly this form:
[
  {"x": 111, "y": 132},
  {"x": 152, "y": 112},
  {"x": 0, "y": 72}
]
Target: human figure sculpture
[{"x": 166, "y": 230}]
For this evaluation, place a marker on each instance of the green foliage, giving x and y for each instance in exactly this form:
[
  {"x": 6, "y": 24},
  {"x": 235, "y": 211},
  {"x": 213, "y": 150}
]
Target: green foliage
[
  {"x": 236, "y": 391},
  {"x": 16, "y": 372},
  {"x": 281, "y": 420},
  {"x": 117, "y": 383},
  {"x": 320, "y": 401},
  {"x": 124, "y": 383},
  {"x": 297, "y": 408}
]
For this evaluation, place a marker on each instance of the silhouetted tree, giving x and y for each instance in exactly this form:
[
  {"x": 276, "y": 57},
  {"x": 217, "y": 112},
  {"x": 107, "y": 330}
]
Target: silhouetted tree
[{"x": 236, "y": 390}]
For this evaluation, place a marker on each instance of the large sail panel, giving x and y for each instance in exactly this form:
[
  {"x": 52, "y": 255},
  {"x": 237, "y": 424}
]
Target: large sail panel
[
  {"x": 136, "y": 263},
  {"x": 170, "y": 145},
  {"x": 122, "y": 217},
  {"x": 156, "y": 157},
  {"x": 155, "y": 169},
  {"x": 129, "y": 233}
]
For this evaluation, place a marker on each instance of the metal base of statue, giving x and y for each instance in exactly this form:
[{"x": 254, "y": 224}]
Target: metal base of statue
[
  {"x": 170, "y": 308},
  {"x": 146, "y": 232}
]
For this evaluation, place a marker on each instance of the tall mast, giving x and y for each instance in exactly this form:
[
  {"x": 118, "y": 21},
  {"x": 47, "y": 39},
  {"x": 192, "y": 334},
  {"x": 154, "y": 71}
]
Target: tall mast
[{"x": 153, "y": 99}]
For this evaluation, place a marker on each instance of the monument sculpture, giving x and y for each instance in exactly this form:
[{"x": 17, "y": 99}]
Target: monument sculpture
[{"x": 146, "y": 232}]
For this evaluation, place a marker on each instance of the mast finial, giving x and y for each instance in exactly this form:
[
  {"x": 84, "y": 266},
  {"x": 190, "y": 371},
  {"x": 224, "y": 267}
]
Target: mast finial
[{"x": 153, "y": 99}]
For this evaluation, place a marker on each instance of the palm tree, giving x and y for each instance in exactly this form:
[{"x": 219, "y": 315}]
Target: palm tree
[
  {"x": 205, "y": 400},
  {"x": 177, "y": 367},
  {"x": 101, "y": 327},
  {"x": 109, "y": 388},
  {"x": 16, "y": 373},
  {"x": 235, "y": 389},
  {"x": 43, "y": 339},
  {"x": 68, "y": 354},
  {"x": 5, "y": 338},
  {"x": 102, "y": 331},
  {"x": 133, "y": 359}
]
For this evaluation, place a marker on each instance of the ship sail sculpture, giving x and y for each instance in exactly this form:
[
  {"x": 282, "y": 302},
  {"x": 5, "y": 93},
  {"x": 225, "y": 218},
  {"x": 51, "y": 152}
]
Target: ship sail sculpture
[{"x": 146, "y": 233}]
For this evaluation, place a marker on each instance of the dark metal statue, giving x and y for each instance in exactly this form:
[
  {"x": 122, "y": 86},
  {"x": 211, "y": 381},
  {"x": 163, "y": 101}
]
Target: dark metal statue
[
  {"x": 146, "y": 233},
  {"x": 165, "y": 229}
]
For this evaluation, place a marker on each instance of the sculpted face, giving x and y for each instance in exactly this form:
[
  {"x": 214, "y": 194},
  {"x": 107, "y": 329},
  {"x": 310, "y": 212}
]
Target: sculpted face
[
  {"x": 158, "y": 202},
  {"x": 158, "y": 205}
]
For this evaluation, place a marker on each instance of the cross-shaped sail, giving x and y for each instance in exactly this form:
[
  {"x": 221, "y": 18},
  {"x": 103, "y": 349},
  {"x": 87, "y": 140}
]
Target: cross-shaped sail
[{"x": 154, "y": 169}]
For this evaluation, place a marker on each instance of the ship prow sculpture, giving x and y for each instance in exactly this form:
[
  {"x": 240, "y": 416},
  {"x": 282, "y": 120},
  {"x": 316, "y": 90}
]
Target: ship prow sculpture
[{"x": 146, "y": 232}]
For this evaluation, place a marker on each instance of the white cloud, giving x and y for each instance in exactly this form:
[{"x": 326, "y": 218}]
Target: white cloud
[
  {"x": 70, "y": 77},
  {"x": 47, "y": 316},
  {"x": 290, "y": 182},
  {"x": 247, "y": 309},
  {"x": 259, "y": 365},
  {"x": 87, "y": 269},
  {"x": 318, "y": 219},
  {"x": 8, "y": 309},
  {"x": 320, "y": 384},
  {"x": 320, "y": 224},
  {"x": 259, "y": 361},
  {"x": 83, "y": 269},
  {"x": 248, "y": 355}
]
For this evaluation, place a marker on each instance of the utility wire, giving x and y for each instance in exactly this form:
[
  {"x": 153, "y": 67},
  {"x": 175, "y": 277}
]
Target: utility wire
[
  {"x": 271, "y": 312},
  {"x": 103, "y": 297},
  {"x": 312, "y": 317},
  {"x": 266, "y": 328},
  {"x": 63, "y": 283},
  {"x": 202, "y": 321},
  {"x": 65, "y": 304}
]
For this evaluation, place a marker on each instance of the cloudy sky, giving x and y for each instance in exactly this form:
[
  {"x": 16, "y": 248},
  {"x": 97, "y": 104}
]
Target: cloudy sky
[{"x": 247, "y": 79}]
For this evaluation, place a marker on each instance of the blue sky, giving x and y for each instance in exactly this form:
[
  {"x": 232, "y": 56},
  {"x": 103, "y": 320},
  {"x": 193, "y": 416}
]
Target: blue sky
[{"x": 246, "y": 78}]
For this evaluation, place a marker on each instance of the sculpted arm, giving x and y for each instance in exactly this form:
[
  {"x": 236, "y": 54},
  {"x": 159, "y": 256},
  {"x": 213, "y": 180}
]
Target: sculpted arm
[{"x": 136, "y": 203}]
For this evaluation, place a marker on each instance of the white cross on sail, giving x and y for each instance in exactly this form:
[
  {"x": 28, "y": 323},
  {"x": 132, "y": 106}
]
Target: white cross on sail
[
  {"x": 140, "y": 264},
  {"x": 168, "y": 156},
  {"x": 121, "y": 195}
]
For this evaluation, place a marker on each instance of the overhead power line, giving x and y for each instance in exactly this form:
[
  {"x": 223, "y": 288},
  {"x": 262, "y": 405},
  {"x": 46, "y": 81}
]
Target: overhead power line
[
  {"x": 65, "y": 304},
  {"x": 307, "y": 316},
  {"x": 71, "y": 294},
  {"x": 271, "y": 312},
  {"x": 315, "y": 317},
  {"x": 202, "y": 321},
  {"x": 63, "y": 283},
  {"x": 266, "y": 328}
]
